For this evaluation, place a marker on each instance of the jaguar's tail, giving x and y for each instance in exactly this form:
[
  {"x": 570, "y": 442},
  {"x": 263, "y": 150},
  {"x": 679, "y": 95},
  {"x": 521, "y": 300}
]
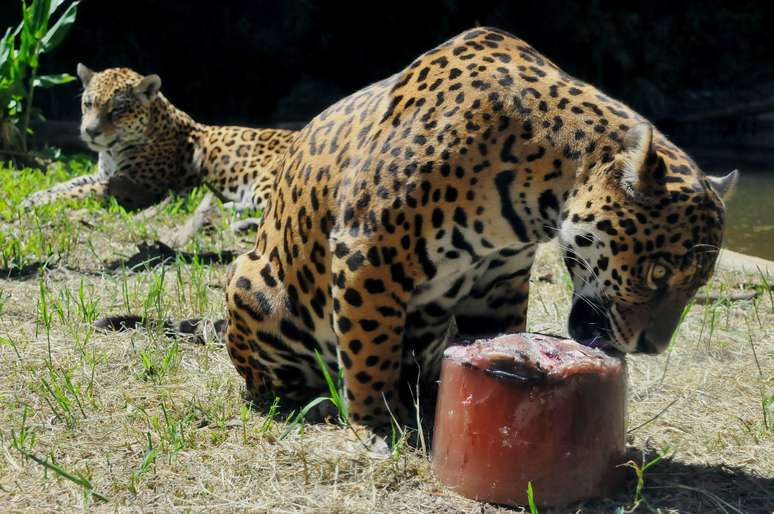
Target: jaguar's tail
[{"x": 194, "y": 330}]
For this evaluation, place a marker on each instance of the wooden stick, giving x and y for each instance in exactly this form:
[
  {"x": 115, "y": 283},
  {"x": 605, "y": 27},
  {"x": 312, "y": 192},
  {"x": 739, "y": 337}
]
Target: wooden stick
[{"x": 704, "y": 299}]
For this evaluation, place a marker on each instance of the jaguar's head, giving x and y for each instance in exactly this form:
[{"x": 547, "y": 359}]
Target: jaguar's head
[
  {"x": 640, "y": 234},
  {"x": 116, "y": 106}
]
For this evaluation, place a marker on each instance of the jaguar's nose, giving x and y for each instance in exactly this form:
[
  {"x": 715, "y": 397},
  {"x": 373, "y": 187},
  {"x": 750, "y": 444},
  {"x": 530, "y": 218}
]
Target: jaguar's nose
[{"x": 92, "y": 132}]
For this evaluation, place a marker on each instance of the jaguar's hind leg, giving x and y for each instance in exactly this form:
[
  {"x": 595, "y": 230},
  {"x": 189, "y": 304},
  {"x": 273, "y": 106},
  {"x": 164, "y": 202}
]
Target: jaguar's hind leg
[{"x": 369, "y": 320}]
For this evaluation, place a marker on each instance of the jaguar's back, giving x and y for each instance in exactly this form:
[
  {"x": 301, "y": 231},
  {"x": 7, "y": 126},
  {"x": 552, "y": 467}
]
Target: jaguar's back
[{"x": 414, "y": 206}]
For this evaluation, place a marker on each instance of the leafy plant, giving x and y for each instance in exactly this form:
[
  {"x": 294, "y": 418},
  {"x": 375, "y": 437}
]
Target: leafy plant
[
  {"x": 63, "y": 396},
  {"x": 268, "y": 423},
  {"x": 335, "y": 398},
  {"x": 26, "y": 437},
  {"x": 157, "y": 362},
  {"x": 20, "y": 51},
  {"x": 640, "y": 470},
  {"x": 148, "y": 461}
]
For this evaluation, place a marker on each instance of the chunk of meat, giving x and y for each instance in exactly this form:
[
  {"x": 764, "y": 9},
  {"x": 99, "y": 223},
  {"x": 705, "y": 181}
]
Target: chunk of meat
[{"x": 525, "y": 408}]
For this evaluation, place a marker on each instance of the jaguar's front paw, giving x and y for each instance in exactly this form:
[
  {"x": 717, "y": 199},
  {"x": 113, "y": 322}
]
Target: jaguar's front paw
[
  {"x": 375, "y": 442},
  {"x": 31, "y": 201}
]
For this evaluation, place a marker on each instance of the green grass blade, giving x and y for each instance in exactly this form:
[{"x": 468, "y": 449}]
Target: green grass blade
[
  {"x": 531, "y": 499},
  {"x": 59, "y": 470},
  {"x": 302, "y": 415},
  {"x": 336, "y": 398}
]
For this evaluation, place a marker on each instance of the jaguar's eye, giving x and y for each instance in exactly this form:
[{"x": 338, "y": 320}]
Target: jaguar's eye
[
  {"x": 87, "y": 104},
  {"x": 659, "y": 274},
  {"x": 114, "y": 111}
]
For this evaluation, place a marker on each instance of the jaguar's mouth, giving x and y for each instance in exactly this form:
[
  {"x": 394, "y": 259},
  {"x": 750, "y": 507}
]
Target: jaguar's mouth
[
  {"x": 99, "y": 146},
  {"x": 596, "y": 342},
  {"x": 589, "y": 324}
]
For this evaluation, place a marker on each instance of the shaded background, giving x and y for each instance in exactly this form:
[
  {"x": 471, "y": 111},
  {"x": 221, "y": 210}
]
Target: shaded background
[
  {"x": 263, "y": 62},
  {"x": 270, "y": 63}
]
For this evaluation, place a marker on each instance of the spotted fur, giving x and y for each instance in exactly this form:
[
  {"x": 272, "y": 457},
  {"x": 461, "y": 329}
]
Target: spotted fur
[
  {"x": 412, "y": 209},
  {"x": 148, "y": 148}
]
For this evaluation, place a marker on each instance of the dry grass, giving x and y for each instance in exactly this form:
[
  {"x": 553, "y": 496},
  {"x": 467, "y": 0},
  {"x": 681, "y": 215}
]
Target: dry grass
[{"x": 157, "y": 425}]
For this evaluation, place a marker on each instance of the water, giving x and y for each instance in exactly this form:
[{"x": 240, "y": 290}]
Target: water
[
  {"x": 750, "y": 218},
  {"x": 745, "y": 143}
]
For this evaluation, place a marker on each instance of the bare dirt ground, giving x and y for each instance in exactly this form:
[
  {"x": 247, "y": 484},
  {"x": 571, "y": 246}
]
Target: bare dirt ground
[{"x": 138, "y": 422}]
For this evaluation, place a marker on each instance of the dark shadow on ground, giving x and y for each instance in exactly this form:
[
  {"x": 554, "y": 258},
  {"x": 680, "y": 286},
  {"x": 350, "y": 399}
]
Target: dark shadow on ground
[
  {"x": 675, "y": 486},
  {"x": 150, "y": 255},
  {"x": 24, "y": 272}
]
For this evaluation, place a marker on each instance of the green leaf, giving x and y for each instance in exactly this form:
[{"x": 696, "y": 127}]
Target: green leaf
[
  {"x": 54, "y": 6},
  {"x": 57, "y": 33},
  {"x": 46, "y": 81},
  {"x": 18, "y": 28},
  {"x": 6, "y": 47},
  {"x": 531, "y": 499},
  {"x": 39, "y": 18},
  {"x": 302, "y": 415},
  {"x": 336, "y": 398},
  {"x": 28, "y": 42}
]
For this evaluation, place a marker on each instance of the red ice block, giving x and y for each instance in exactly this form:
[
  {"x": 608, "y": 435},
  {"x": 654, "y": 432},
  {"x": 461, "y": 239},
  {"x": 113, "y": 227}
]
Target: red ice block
[{"x": 525, "y": 408}]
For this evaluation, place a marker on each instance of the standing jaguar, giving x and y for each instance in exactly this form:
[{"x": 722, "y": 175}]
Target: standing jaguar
[
  {"x": 147, "y": 147},
  {"x": 413, "y": 207}
]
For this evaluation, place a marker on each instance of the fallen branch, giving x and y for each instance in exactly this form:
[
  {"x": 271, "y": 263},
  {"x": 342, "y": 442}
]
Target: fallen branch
[{"x": 704, "y": 299}]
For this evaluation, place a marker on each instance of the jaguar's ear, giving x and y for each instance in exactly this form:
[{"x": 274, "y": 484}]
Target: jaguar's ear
[
  {"x": 636, "y": 148},
  {"x": 148, "y": 88},
  {"x": 84, "y": 73},
  {"x": 724, "y": 186}
]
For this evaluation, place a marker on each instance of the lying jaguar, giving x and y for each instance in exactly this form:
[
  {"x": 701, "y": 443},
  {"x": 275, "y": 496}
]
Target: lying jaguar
[
  {"x": 148, "y": 148},
  {"x": 415, "y": 205}
]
